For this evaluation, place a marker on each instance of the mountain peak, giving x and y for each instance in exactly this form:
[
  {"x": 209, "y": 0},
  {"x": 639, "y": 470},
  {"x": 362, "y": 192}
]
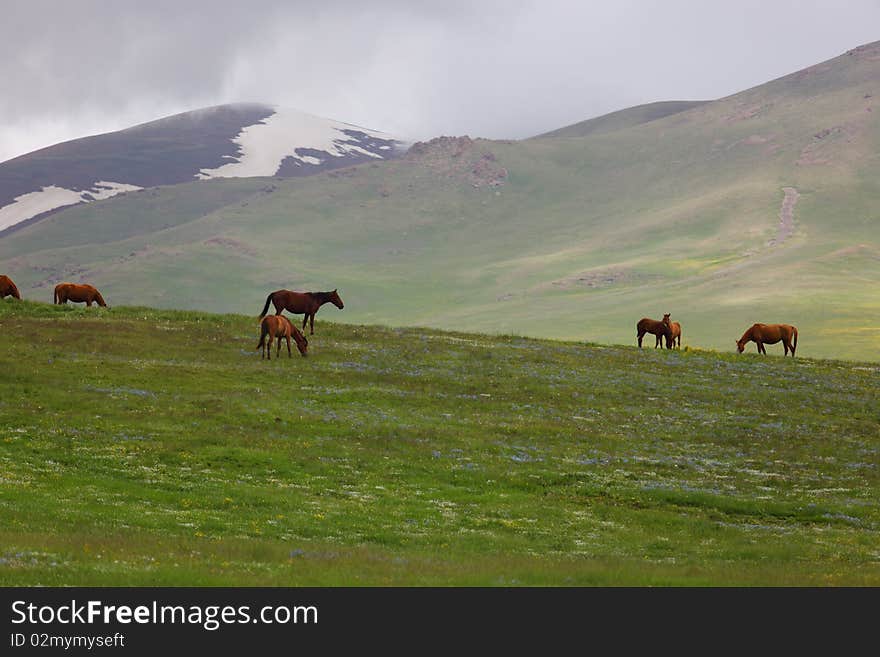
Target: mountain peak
[{"x": 222, "y": 141}]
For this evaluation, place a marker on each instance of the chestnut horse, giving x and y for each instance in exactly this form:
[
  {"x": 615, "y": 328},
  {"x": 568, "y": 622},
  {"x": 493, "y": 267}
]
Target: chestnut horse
[
  {"x": 674, "y": 335},
  {"x": 660, "y": 329},
  {"x": 770, "y": 334},
  {"x": 305, "y": 303},
  {"x": 278, "y": 326},
  {"x": 65, "y": 292},
  {"x": 7, "y": 288}
]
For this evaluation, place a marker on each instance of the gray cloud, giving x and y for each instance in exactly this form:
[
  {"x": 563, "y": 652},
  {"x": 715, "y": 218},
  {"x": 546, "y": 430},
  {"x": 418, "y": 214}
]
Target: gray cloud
[{"x": 493, "y": 69}]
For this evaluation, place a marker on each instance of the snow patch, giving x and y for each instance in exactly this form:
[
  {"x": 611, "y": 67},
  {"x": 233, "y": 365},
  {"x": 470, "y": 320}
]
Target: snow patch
[
  {"x": 52, "y": 197},
  {"x": 104, "y": 189},
  {"x": 263, "y": 146}
]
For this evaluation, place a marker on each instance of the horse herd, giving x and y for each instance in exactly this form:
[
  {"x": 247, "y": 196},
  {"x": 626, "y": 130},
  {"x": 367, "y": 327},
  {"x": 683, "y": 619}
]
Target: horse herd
[
  {"x": 274, "y": 327},
  {"x": 277, "y": 327},
  {"x": 760, "y": 334}
]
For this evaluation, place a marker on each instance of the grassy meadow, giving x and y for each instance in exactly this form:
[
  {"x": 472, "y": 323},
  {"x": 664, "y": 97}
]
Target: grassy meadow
[{"x": 155, "y": 447}]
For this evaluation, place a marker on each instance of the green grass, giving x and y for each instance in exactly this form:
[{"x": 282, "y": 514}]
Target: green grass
[{"x": 153, "y": 447}]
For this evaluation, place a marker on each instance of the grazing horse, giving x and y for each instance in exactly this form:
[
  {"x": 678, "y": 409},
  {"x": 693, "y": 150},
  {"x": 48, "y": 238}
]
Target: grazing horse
[
  {"x": 65, "y": 292},
  {"x": 278, "y": 326},
  {"x": 305, "y": 303},
  {"x": 770, "y": 334},
  {"x": 660, "y": 329},
  {"x": 674, "y": 335},
  {"x": 7, "y": 288}
]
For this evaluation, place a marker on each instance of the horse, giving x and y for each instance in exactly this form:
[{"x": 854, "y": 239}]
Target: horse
[
  {"x": 660, "y": 329},
  {"x": 7, "y": 288},
  {"x": 305, "y": 303},
  {"x": 674, "y": 335},
  {"x": 65, "y": 292},
  {"x": 770, "y": 334},
  {"x": 278, "y": 326}
]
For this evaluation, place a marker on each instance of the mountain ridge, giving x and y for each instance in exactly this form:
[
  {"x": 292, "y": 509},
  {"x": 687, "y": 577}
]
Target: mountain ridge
[{"x": 201, "y": 143}]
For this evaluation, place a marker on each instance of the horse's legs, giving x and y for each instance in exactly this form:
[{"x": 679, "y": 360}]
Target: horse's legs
[
  {"x": 287, "y": 337},
  {"x": 88, "y": 303},
  {"x": 658, "y": 340},
  {"x": 312, "y": 324},
  {"x": 305, "y": 320},
  {"x": 761, "y": 349}
]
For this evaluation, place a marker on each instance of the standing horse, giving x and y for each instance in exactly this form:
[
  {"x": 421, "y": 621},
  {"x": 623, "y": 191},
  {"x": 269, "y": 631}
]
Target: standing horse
[
  {"x": 7, "y": 288},
  {"x": 770, "y": 334},
  {"x": 660, "y": 329},
  {"x": 65, "y": 292},
  {"x": 305, "y": 303},
  {"x": 278, "y": 326},
  {"x": 674, "y": 335}
]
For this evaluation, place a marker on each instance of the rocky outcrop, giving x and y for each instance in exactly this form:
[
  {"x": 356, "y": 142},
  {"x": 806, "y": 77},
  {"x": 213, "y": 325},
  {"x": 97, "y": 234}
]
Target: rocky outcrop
[{"x": 460, "y": 157}]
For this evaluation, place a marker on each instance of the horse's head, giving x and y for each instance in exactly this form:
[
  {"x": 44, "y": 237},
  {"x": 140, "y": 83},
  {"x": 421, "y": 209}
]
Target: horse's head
[
  {"x": 336, "y": 300},
  {"x": 666, "y": 319},
  {"x": 301, "y": 342},
  {"x": 740, "y": 346}
]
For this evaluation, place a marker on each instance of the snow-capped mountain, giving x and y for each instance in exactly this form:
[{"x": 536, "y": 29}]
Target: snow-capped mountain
[{"x": 239, "y": 140}]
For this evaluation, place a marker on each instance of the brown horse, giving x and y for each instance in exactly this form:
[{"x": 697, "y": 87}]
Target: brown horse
[
  {"x": 305, "y": 303},
  {"x": 7, "y": 288},
  {"x": 660, "y": 329},
  {"x": 65, "y": 292},
  {"x": 278, "y": 326},
  {"x": 770, "y": 334},
  {"x": 674, "y": 335}
]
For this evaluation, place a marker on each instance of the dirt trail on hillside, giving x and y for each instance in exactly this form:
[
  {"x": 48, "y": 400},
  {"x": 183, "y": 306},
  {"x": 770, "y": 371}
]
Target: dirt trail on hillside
[{"x": 786, "y": 216}]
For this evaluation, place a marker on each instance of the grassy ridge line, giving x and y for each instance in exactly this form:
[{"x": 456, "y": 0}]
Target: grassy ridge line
[
  {"x": 623, "y": 119},
  {"x": 155, "y": 447}
]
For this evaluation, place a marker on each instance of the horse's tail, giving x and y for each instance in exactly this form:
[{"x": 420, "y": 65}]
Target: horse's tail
[
  {"x": 55, "y": 296},
  {"x": 793, "y": 340},
  {"x": 266, "y": 307},
  {"x": 263, "y": 332}
]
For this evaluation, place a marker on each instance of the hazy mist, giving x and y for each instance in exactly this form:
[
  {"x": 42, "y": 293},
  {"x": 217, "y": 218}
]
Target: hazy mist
[{"x": 415, "y": 70}]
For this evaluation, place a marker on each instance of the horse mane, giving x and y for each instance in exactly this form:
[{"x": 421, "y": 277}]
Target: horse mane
[
  {"x": 747, "y": 335},
  {"x": 323, "y": 297}
]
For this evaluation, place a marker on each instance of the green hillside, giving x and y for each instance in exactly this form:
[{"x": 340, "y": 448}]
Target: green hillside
[
  {"x": 145, "y": 447},
  {"x": 573, "y": 238},
  {"x": 625, "y": 118}
]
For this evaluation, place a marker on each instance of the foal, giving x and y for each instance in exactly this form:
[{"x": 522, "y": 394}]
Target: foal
[
  {"x": 278, "y": 326},
  {"x": 674, "y": 335}
]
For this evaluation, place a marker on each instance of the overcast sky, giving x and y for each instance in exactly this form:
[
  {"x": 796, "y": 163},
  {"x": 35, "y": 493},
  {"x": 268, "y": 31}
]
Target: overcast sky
[{"x": 415, "y": 69}]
